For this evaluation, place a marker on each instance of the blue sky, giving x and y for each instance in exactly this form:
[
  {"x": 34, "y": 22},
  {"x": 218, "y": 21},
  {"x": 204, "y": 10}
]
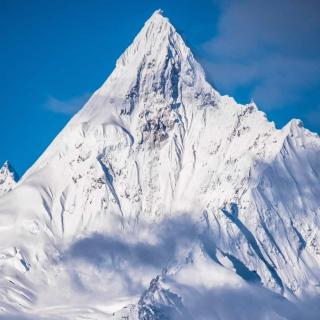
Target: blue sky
[{"x": 54, "y": 54}]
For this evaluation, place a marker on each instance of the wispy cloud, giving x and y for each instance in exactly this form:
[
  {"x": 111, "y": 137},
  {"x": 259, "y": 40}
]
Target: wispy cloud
[
  {"x": 128, "y": 265},
  {"x": 270, "y": 49},
  {"x": 69, "y": 106},
  {"x": 111, "y": 251}
]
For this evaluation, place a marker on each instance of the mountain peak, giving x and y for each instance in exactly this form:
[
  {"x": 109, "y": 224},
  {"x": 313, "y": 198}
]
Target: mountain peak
[
  {"x": 157, "y": 15},
  {"x": 6, "y": 164},
  {"x": 9, "y": 168},
  {"x": 154, "y": 34},
  {"x": 8, "y": 178},
  {"x": 158, "y": 18},
  {"x": 158, "y": 12},
  {"x": 157, "y": 70}
]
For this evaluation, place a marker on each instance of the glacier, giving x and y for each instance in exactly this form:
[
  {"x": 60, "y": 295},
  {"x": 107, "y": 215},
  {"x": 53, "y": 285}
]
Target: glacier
[{"x": 163, "y": 199}]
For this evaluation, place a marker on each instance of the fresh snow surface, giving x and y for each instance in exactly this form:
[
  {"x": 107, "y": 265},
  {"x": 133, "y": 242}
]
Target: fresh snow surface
[{"x": 162, "y": 199}]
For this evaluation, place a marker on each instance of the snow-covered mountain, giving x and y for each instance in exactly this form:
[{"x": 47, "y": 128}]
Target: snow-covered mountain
[
  {"x": 8, "y": 178},
  {"x": 161, "y": 180}
]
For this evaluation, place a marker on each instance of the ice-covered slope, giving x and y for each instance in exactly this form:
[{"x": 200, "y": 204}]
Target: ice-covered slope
[
  {"x": 160, "y": 174},
  {"x": 8, "y": 178}
]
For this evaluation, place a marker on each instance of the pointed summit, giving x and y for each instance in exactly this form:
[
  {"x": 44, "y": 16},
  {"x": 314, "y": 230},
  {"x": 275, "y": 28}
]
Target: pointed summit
[
  {"x": 7, "y": 167},
  {"x": 159, "y": 12},
  {"x": 8, "y": 178},
  {"x": 157, "y": 69},
  {"x": 158, "y": 15},
  {"x": 153, "y": 36}
]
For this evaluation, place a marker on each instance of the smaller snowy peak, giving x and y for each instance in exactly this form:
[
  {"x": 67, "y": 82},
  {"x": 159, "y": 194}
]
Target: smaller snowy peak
[
  {"x": 295, "y": 129},
  {"x": 294, "y": 125},
  {"x": 8, "y": 178},
  {"x": 8, "y": 170}
]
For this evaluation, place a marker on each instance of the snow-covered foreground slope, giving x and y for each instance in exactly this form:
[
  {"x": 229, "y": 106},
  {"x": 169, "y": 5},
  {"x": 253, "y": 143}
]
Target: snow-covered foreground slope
[
  {"x": 8, "y": 178},
  {"x": 159, "y": 179}
]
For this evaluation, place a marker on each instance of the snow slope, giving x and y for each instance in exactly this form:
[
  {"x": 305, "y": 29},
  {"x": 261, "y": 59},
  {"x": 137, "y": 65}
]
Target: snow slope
[
  {"x": 161, "y": 179},
  {"x": 8, "y": 178}
]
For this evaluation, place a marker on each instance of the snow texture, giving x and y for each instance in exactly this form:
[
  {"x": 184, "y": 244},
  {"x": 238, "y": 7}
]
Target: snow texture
[{"x": 162, "y": 199}]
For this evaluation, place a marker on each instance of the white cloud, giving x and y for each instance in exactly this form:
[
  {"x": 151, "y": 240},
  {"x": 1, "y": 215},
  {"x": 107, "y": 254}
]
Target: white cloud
[{"x": 69, "y": 106}]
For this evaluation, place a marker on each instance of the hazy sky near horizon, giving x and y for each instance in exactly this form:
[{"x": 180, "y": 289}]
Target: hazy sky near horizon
[{"x": 54, "y": 54}]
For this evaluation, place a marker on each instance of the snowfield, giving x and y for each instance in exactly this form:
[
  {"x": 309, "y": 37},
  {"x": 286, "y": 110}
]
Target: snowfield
[{"x": 162, "y": 199}]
